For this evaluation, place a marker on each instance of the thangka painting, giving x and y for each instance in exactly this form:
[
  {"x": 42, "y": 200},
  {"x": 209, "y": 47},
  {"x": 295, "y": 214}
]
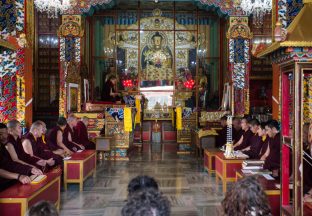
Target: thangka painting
[{"x": 73, "y": 97}]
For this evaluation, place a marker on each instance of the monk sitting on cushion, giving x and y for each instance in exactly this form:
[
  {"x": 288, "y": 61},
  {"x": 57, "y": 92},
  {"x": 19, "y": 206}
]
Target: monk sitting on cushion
[
  {"x": 272, "y": 155},
  {"x": 254, "y": 149},
  {"x": 221, "y": 138},
  {"x": 244, "y": 141},
  {"x": 10, "y": 169},
  {"x": 30, "y": 143},
  {"x": 15, "y": 147},
  {"x": 264, "y": 139},
  {"x": 237, "y": 129},
  {"x": 43, "y": 142},
  {"x": 69, "y": 136},
  {"x": 44, "y": 150},
  {"x": 55, "y": 137},
  {"x": 81, "y": 133}
]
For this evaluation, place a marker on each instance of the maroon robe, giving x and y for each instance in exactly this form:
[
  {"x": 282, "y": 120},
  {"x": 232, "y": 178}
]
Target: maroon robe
[
  {"x": 264, "y": 147},
  {"x": 272, "y": 162},
  {"x": 221, "y": 138},
  {"x": 6, "y": 163},
  {"x": 37, "y": 151},
  {"x": 22, "y": 155},
  {"x": 46, "y": 152},
  {"x": 237, "y": 135},
  {"x": 81, "y": 136},
  {"x": 255, "y": 147},
  {"x": 247, "y": 135},
  {"x": 69, "y": 144},
  {"x": 307, "y": 170},
  {"x": 52, "y": 138}
]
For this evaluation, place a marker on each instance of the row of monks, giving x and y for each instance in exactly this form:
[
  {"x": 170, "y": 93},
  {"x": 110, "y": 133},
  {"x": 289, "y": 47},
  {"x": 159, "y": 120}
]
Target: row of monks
[
  {"x": 36, "y": 152},
  {"x": 259, "y": 141}
]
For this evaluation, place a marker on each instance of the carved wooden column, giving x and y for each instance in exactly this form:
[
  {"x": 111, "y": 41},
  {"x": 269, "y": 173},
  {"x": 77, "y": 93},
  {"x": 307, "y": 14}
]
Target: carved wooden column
[
  {"x": 239, "y": 36},
  {"x": 70, "y": 33}
]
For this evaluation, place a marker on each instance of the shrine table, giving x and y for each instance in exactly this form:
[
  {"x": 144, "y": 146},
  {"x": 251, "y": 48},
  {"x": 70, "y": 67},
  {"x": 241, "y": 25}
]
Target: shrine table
[
  {"x": 209, "y": 159},
  {"x": 272, "y": 192},
  {"x": 226, "y": 169},
  {"x": 79, "y": 167},
  {"x": 16, "y": 199}
]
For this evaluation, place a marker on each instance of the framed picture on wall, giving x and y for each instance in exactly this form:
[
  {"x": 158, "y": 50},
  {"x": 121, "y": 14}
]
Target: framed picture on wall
[
  {"x": 72, "y": 99},
  {"x": 86, "y": 90}
]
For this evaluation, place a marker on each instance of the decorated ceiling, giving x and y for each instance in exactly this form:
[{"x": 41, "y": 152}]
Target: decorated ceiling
[{"x": 88, "y": 7}]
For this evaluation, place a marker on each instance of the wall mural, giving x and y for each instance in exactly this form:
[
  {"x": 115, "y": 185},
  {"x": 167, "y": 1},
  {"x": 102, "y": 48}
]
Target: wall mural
[{"x": 12, "y": 83}]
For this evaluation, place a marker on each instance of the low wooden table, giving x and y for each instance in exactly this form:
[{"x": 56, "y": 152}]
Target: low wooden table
[
  {"x": 16, "y": 199},
  {"x": 272, "y": 192},
  {"x": 226, "y": 169},
  {"x": 105, "y": 144},
  {"x": 79, "y": 167},
  {"x": 209, "y": 159}
]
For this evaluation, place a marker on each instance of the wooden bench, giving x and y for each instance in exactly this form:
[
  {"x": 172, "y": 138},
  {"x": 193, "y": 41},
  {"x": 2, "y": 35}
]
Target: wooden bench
[
  {"x": 79, "y": 167},
  {"x": 209, "y": 159},
  {"x": 16, "y": 199},
  {"x": 270, "y": 189}
]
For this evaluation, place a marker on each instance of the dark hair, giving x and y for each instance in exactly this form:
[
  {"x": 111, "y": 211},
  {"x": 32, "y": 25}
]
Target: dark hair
[
  {"x": 61, "y": 121},
  {"x": 140, "y": 183},
  {"x": 273, "y": 124},
  {"x": 246, "y": 197},
  {"x": 247, "y": 118},
  {"x": 157, "y": 35},
  {"x": 262, "y": 125},
  {"x": 147, "y": 202},
  {"x": 42, "y": 208},
  {"x": 224, "y": 118},
  {"x": 2, "y": 126},
  {"x": 254, "y": 122}
]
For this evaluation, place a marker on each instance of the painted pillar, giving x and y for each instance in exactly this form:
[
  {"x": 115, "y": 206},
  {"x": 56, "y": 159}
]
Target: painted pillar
[
  {"x": 239, "y": 36},
  {"x": 70, "y": 33}
]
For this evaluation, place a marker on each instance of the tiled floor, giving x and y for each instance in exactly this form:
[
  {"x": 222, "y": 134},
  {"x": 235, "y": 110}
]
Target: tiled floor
[{"x": 181, "y": 178}]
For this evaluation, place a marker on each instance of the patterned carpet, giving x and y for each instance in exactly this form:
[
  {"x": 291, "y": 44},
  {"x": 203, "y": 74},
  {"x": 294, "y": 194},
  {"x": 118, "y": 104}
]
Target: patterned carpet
[{"x": 181, "y": 178}]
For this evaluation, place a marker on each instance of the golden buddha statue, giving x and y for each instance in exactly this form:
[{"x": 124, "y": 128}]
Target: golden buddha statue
[{"x": 157, "y": 60}]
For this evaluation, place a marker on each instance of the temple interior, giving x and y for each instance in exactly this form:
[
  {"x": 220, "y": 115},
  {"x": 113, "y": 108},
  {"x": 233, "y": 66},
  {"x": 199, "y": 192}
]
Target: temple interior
[{"x": 155, "y": 107}]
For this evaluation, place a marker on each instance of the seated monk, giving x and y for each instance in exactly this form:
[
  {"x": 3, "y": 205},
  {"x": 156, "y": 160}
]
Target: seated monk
[
  {"x": 69, "y": 136},
  {"x": 55, "y": 137},
  {"x": 81, "y": 133},
  {"x": 244, "y": 141},
  {"x": 237, "y": 129},
  {"x": 15, "y": 147},
  {"x": 307, "y": 161},
  {"x": 272, "y": 155},
  {"x": 43, "y": 141},
  {"x": 31, "y": 146},
  {"x": 44, "y": 149},
  {"x": 255, "y": 147},
  {"x": 264, "y": 140},
  {"x": 10, "y": 169},
  {"x": 221, "y": 138}
]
